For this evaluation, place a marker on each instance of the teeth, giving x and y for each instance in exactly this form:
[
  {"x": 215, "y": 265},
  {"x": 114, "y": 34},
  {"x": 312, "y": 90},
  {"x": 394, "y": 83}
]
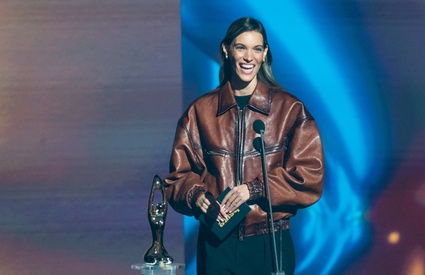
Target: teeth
[{"x": 244, "y": 66}]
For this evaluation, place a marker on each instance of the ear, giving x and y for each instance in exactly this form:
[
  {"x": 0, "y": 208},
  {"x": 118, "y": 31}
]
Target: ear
[
  {"x": 225, "y": 49},
  {"x": 265, "y": 52}
]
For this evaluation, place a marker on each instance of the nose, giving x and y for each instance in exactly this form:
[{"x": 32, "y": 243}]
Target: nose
[{"x": 248, "y": 56}]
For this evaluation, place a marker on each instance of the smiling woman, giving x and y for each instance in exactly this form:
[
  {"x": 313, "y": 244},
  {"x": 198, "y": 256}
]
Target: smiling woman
[
  {"x": 247, "y": 53},
  {"x": 248, "y": 49},
  {"x": 214, "y": 151}
]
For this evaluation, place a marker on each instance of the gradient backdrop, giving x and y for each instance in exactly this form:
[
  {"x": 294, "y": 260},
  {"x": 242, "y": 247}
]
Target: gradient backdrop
[{"x": 90, "y": 93}]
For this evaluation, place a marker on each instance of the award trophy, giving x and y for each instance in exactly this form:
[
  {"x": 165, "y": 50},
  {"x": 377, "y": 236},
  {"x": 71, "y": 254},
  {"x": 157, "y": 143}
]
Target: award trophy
[
  {"x": 157, "y": 260},
  {"x": 157, "y": 253}
]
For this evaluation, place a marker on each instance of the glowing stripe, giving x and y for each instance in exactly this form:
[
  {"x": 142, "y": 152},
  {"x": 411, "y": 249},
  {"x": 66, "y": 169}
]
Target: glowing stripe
[{"x": 293, "y": 29}]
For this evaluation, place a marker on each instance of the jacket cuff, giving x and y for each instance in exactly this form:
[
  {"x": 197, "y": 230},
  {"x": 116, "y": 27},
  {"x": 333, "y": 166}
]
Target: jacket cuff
[
  {"x": 255, "y": 188},
  {"x": 194, "y": 194}
]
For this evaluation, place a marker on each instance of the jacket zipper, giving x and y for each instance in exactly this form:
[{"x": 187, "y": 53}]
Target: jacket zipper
[{"x": 240, "y": 146}]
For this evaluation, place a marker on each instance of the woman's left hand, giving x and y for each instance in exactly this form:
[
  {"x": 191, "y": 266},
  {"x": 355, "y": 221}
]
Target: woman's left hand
[{"x": 238, "y": 195}]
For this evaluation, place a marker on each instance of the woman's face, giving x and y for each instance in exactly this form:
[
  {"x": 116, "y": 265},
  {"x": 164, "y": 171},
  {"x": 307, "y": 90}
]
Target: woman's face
[{"x": 246, "y": 54}]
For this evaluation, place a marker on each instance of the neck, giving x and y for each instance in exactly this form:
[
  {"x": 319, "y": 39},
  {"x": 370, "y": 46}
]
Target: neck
[{"x": 244, "y": 88}]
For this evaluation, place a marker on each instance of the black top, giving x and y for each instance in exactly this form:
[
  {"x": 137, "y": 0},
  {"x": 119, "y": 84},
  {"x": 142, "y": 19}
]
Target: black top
[{"x": 242, "y": 100}]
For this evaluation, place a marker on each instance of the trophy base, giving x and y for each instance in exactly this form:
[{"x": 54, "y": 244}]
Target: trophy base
[{"x": 161, "y": 269}]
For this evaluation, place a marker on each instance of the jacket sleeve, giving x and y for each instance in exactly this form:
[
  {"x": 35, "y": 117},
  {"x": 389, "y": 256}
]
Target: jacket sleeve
[
  {"x": 184, "y": 183},
  {"x": 298, "y": 182}
]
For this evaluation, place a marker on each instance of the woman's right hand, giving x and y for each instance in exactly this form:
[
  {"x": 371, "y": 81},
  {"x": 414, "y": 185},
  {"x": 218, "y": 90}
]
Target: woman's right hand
[{"x": 210, "y": 206}]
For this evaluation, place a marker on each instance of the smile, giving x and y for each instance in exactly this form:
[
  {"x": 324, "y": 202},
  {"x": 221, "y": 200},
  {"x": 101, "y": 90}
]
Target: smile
[{"x": 246, "y": 67}]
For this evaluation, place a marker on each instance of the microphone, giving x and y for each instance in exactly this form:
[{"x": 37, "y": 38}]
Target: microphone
[
  {"x": 259, "y": 126},
  {"x": 259, "y": 145}
]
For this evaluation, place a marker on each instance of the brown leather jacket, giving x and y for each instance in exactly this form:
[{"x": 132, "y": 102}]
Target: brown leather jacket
[{"x": 213, "y": 149}]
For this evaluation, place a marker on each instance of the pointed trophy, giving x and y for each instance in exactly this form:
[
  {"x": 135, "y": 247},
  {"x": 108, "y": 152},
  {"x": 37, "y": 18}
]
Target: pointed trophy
[{"x": 157, "y": 254}]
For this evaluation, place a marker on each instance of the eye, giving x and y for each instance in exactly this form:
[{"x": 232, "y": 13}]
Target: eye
[
  {"x": 239, "y": 47},
  {"x": 258, "y": 49}
]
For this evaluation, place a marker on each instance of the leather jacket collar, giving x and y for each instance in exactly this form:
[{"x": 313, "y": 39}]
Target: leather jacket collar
[{"x": 260, "y": 99}]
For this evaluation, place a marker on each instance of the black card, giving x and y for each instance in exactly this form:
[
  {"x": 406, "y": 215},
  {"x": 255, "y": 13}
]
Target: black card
[{"x": 222, "y": 229}]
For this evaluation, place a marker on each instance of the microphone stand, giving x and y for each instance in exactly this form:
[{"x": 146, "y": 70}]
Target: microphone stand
[{"x": 278, "y": 269}]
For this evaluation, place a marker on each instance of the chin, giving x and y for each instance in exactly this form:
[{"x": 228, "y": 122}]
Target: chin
[{"x": 246, "y": 78}]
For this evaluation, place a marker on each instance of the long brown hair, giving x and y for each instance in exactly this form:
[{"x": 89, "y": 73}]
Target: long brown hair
[{"x": 239, "y": 26}]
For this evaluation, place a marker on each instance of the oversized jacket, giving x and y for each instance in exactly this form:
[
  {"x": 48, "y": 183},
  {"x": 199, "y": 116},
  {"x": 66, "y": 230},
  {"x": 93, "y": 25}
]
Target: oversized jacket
[{"x": 213, "y": 149}]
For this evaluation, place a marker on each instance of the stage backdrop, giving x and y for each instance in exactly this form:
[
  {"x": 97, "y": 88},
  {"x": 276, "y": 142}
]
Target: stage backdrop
[
  {"x": 90, "y": 92},
  {"x": 358, "y": 66}
]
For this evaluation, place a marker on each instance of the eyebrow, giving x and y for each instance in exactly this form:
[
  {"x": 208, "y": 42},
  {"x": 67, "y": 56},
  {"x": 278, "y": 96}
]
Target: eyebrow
[{"x": 259, "y": 45}]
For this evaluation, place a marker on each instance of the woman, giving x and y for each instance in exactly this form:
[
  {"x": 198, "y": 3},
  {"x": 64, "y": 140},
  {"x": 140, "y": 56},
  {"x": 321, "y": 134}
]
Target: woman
[{"x": 213, "y": 149}]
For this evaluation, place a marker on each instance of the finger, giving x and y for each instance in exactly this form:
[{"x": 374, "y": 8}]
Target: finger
[
  {"x": 228, "y": 199},
  {"x": 236, "y": 203},
  {"x": 206, "y": 203},
  {"x": 215, "y": 213},
  {"x": 223, "y": 213},
  {"x": 201, "y": 201},
  {"x": 231, "y": 206},
  {"x": 205, "y": 206}
]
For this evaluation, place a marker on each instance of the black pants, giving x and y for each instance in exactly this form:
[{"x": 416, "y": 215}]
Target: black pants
[{"x": 253, "y": 255}]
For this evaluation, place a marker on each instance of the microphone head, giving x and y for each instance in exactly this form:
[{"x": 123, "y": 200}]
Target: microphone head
[
  {"x": 257, "y": 144},
  {"x": 259, "y": 126}
]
